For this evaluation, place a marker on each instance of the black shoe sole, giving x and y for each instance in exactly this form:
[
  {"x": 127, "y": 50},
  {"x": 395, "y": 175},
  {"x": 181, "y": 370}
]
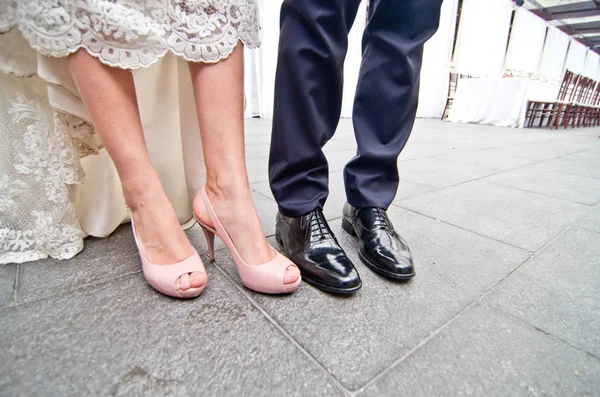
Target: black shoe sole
[
  {"x": 327, "y": 288},
  {"x": 347, "y": 226},
  {"x": 316, "y": 284}
]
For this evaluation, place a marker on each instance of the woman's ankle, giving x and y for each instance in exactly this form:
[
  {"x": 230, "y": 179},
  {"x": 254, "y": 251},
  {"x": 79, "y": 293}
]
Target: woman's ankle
[
  {"x": 227, "y": 188},
  {"x": 140, "y": 189}
]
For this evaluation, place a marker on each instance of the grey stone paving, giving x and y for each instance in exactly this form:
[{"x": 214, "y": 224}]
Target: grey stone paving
[{"x": 505, "y": 228}]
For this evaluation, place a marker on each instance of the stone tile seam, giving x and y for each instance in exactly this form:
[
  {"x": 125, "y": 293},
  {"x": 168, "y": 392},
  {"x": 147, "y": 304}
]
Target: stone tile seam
[
  {"x": 478, "y": 300},
  {"x": 436, "y": 157},
  {"x": 414, "y": 349},
  {"x": 542, "y": 194},
  {"x": 264, "y": 195},
  {"x": 283, "y": 331},
  {"x": 16, "y": 285},
  {"x": 70, "y": 291},
  {"x": 492, "y": 148},
  {"x": 462, "y": 228},
  {"x": 585, "y": 228},
  {"x": 501, "y": 171},
  {"x": 541, "y": 330},
  {"x": 533, "y": 255},
  {"x": 460, "y": 183}
]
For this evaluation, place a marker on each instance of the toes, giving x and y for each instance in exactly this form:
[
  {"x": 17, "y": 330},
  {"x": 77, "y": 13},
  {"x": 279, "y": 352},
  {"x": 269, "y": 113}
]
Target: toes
[
  {"x": 184, "y": 281},
  {"x": 198, "y": 279},
  {"x": 291, "y": 275}
]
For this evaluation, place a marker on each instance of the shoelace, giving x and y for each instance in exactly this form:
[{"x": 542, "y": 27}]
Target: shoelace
[
  {"x": 318, "y": 226},
  {"x": 380, "y": 220}
]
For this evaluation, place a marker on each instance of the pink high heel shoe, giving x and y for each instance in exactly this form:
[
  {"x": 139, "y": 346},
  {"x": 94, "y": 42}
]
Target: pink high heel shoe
[
  {"x": 267, "y": 278},
  {"x": 163, "y": 278}
]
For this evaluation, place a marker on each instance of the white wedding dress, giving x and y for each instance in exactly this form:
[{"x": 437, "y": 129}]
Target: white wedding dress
[{"x": 57, "y": 184}]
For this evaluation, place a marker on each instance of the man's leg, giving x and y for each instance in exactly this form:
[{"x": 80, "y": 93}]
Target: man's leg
[
  {"x": 386, "y": 96},
  {"x": 308, "y": 99},
  {"x": 384, "y": 113}
]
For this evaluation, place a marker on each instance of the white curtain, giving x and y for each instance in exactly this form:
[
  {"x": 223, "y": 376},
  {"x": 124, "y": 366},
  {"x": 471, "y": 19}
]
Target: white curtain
[
  {"x": 576, "y": 57},
  {"x": 590, "y": 67},
  {"x": 554, "y": 54},
  {"x": 482, "y": 37},
  {"x": 252, "y": 83},
  {"x": 526, "y": 42},
  {"x": 260, "y": 64},
  {"x": 267, "y": 64},
  {"x": 353, "y": 60},
  {"x": 435, "y": 71}
]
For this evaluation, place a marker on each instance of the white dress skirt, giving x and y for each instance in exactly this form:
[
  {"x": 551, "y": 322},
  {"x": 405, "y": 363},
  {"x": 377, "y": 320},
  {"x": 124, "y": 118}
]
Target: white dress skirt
[{"x": 57, "y": 184}]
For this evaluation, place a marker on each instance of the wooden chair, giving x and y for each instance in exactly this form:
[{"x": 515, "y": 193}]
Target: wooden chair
[
  {"x": 452, "y": 84},
  {"x": 451, "y": 91},
  {"x": 563, "y": 106},
  {"x": 547, "y": 111},
  {"x": 595, "y": 106},
  {"x": 575, "y": 108}
]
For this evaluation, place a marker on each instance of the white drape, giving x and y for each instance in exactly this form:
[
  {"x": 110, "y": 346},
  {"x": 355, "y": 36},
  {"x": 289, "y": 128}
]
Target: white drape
[
  {"x": 261, "y": 64},
  {"x": 265, "y": 62},
  {"x": 576, "y": 57},
  {"x": 437, "y": 57},
  {"x": 554, "y": 54},
  {"x": 526, "y": 42},
  {"x": 590, "y": 68},
  {"x": 482, "y": 37},
  {"x": 252, "y": 82},
  {"x": 353, "y": 60}
]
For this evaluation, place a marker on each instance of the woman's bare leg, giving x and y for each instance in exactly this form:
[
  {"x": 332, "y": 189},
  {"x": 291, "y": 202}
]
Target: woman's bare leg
[
  {"x": 109, "y": 96},
  {"x": 218, "y": 89}
]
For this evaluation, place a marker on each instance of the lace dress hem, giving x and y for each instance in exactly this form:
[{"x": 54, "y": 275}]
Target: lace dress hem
[{"x": 130, "y": 34}]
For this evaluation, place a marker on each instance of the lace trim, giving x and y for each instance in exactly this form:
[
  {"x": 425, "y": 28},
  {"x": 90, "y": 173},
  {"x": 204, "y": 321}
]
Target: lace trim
[
  {"x": 130, "y": 34},
  {"x": 37, "y": 217},
  {"x": 43, "y": 241}
]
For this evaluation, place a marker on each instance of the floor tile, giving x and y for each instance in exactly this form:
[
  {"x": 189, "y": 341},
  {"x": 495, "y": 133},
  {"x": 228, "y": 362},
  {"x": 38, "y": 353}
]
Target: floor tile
[
  {"x": 8, "y": 275},
  {"x": 267, "y": 210},
  {"x": 483, "y": 353},
  {"x": 590, "y": 220},
  {"x": 524, "y": 219},
  {"x": 357, "y": 337},
  {"x": 258, "y": 170},
  {"x": 408, "y": 189},
  {"x": 583, "y": 164},
  {"x": 124, "y": 339},
  {"x": 440, "y": 173},
  {"x": 495, "y": 159},
  {"x": 578, "y": 189},
  {"x": 557, "y": 290},
  {"x": 102, "y": 260}
]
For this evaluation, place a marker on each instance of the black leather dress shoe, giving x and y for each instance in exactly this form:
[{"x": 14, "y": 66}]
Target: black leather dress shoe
[
  {"x": 310, "y": 244},
  {"x": 380, "y": 247}
]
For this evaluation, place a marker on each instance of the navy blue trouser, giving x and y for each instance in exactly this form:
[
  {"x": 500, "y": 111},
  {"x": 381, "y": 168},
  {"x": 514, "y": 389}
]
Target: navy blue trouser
[{"x": 308, "y": 97}]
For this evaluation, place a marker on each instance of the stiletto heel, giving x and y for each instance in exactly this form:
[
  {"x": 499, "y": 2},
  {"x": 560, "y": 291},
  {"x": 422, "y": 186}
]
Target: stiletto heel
[
  {"x": 209, "y": 233},
  {"x": 268, "y": 278},
  {"x": 163, "y": 277}
]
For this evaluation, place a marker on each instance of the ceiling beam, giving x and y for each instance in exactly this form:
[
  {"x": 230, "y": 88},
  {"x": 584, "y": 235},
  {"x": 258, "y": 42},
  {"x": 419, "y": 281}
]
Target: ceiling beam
[
  {"x": 592, "y": 39},
  {"x": 581, "y": 28},
  {"x": 574, "y": 10},
  {"x": 587, "y": 31}
]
